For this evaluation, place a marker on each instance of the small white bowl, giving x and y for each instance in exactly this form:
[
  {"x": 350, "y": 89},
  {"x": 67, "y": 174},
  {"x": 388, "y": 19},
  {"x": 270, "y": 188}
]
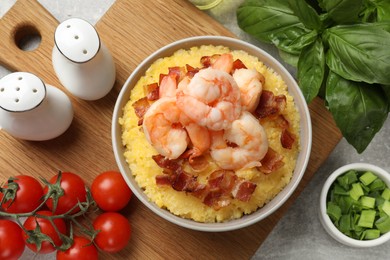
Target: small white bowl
[
  {"x": 327, "y": 222},
  {"x": 294, "y": 90}
]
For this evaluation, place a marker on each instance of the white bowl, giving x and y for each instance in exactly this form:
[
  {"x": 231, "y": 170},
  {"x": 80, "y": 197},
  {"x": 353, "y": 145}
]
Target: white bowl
[
  {"x": 305, "y": 133},
  {"x": 327, "y": 222}
]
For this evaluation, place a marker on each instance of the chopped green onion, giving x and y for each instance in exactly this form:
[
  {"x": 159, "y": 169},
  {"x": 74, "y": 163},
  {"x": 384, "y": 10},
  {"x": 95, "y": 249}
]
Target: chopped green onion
[
  {"x": 383, "y": 224},
  {"x": 379, "y": 202},
  {"x": 386, "y": 207},
  {"x": 356, "y": 192},
  {"x": 339, "y": 190},
  {"x": 333, "y": 211},
  {"x": 367, "y": 178},
  {"x": 378, "y": 184},
  {"x": 386, "y": 194},
  {"x": 345, "y": 223},
  {"x": 347, "y": 179},
  {"x": 367, "y": 202},
  {"x": 367, "y": 218},
  {"x": 369, "y": 234},
  {"x": 345, "y": 203}
]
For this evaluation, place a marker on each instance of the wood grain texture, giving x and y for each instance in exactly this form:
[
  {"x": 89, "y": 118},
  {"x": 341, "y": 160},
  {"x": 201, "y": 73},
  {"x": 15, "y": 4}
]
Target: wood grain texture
[{"x": 132, "y": 30}]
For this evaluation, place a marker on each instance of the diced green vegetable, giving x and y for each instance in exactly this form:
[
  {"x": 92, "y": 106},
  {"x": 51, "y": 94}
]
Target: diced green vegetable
[
  {"x": 369, "y": 234},
  {"x": 383, "y": 224},
  {"x": 356, "y": 191},
  {"x": 367, "y": 178},
  {"x": 345, "y": 223},
  {"x": 339, "y": 190},
  {"x": 379, "y": 201},
  {"x": 347, "y": 179},
  {"x": 386, "y": 207},
  {"x": 378, "y": 184},
  {"x": 367, "y": 202},
  {"x": 367, "y": 218},
  {"x": 345, "y": 203},
  {"x": 386, "y": 194},
  {"x": 333, "y": 211}
]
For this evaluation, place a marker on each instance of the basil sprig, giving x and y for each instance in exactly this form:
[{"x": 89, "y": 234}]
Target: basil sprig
[{"x": 341, "y": 49}]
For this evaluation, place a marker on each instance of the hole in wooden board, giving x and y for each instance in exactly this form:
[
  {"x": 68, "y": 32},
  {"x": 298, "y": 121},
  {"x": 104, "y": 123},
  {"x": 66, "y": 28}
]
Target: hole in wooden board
[{"x": 27, "y": 37}]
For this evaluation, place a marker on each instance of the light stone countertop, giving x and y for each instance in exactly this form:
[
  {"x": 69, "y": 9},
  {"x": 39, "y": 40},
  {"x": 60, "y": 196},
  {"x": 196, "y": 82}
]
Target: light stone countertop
[{"x": 299, "y": 234}]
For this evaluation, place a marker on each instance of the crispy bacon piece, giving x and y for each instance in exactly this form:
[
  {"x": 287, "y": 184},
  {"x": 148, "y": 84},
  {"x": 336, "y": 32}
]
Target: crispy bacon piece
[
  {"x": 243, "y": 190},
  {"x": 217, "y": 199},
  {"x": 179, "y": 72},
  {"x": 271, "y": 162},
  {"x": 166, "y": 163},
  {"x": 238, "y": 64},
  {"x": 163, "y": 179},
  {"x": 191, "y": 71},
  {"x": 140, "y": 107},
  {"x": 270, "y": 105},
  {"x": 152, "y": 92},
  {"x": 207, "y": 61},
  {"x": 287, "y": 139},
  {"x": 222, "y": 179},
  {"x": 184, "y": 181},
  {"x": 175, "y": 175}
]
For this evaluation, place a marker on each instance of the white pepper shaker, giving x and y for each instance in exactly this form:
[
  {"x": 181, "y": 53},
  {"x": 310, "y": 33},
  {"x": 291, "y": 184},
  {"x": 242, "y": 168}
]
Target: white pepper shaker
[
  {"x": 82, "y": 63},
  {"x": 31, "y": 109}
]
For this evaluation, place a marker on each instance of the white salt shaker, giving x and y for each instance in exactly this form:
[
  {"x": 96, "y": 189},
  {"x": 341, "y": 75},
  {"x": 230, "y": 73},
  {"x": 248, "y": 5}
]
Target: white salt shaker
[
  {"x": 82, "y": 63},
  {"x": 31, "y": 109}
]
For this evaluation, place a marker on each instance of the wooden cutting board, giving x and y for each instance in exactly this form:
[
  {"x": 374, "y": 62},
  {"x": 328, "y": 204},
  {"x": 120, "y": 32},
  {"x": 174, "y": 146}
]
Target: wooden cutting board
[{"x": 132, "y": 30}]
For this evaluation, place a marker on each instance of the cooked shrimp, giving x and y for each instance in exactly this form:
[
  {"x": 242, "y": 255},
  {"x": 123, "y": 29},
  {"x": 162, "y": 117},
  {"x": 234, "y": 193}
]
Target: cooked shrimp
[
  {"x": 251, "y": 83},
  {"x": 168, "y": 86},
  {"x": 163, "y": 129},
  {"x": 200, "y": 139},
  {"x": 241, "y": 146},
  {"x": 224, "y": 62},
  {"x": 210, "y": 99}
]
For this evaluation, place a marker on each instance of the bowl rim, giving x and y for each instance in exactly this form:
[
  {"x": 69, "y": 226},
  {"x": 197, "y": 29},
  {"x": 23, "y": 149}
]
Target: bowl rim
[
  {"x": 294, "y": 90},
  {"x": 327, "y": 222}
]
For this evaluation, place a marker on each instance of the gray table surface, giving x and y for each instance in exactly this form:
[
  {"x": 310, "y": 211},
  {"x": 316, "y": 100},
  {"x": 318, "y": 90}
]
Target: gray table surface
[{"x": 299, "y": 234}]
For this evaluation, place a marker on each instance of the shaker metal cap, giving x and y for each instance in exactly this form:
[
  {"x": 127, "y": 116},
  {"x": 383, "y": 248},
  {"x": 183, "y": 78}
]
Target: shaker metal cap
[
  {"x": 77, "y": 40},
  {"x": 21, "y": 91}
]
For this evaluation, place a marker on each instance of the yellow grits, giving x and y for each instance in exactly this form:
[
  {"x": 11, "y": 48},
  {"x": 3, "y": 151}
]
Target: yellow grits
[{"x": 139, "y": 152}]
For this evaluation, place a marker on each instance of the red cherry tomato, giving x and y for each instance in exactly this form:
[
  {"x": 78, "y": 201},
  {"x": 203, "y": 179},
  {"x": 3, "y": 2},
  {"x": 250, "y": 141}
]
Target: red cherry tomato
[
  {"x": 82, "y": 249},
  {"x": 110, "y": 191},
  {"x": 74, "y": 191},
  {"x": 115, "y": 231},
  {"x": 11, "y": 240},
  {"x": 46, "y": 228},
  {"x": 28, "y": 195}
]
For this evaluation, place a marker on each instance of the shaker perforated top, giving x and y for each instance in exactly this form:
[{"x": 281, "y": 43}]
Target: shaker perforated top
[
  {"x": 21, "y": 91},
  {"x": 77, "y": 40}
]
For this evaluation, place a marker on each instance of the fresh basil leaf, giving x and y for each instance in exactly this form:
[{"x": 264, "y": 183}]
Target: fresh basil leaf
[
  {"x": 293, "y": 39},
  {"x": 359, "y": 109},
  {"x": 306, "y": 14},
  {"x": 289, "y": 58},
  {"x": 359, "y": 52},
  {"x": 342, "y": 11},
  {"x": 260, "y": 18},
  {"x": 382, "y": 25},
  {"x": 311, "y": 69},
  {"x": 382, "y": 9}
]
